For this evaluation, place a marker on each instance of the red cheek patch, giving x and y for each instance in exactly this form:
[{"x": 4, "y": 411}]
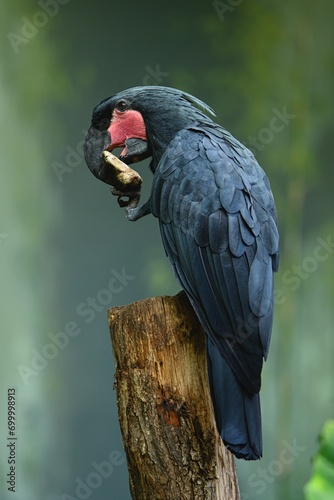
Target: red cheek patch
[{"x": 126, "y": 125}]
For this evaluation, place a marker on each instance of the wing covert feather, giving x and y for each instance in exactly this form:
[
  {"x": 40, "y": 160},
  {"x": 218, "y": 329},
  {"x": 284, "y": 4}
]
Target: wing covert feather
[{"x": 218, "y": 225}]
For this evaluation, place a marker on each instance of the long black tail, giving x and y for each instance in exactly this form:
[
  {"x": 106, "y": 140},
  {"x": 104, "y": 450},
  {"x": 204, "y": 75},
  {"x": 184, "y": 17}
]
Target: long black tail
[{"x": 238, "y": 413}]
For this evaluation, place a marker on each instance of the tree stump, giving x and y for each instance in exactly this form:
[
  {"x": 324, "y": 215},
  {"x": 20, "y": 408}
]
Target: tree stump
[{"x": 165, "y": 411}]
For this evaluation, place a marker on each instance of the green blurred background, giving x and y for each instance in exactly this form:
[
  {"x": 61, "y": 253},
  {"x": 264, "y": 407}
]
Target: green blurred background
[{"x": 266, "y": 67}]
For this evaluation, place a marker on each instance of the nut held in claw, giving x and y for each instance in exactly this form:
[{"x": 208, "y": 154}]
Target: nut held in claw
[{"x": 125, "y": 177}]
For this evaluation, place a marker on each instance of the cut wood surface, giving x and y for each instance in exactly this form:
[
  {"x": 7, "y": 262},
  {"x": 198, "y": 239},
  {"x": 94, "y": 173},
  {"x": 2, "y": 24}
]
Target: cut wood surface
[{"x": 165, "y": 411}]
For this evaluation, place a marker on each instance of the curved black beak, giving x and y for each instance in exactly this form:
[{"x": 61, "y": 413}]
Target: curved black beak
[{"x": 97, "y": 141}]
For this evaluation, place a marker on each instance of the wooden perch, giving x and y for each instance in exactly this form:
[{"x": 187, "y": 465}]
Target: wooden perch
[{"x": 165, "y": 411}]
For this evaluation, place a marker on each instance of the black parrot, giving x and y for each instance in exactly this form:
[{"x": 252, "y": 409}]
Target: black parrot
[{"x": 218, "y": 225}]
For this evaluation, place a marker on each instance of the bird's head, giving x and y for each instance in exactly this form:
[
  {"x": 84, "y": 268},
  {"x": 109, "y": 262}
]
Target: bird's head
[{"x": 140, "y": 120}]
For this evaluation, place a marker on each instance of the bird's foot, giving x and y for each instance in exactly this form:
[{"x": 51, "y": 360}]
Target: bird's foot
[
  {"x": 126, "y": 199},
  {"x": 135, "y": 213}
]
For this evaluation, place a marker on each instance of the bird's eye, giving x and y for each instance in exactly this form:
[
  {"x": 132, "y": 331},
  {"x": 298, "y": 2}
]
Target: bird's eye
[{"x": 122, "y": 105}]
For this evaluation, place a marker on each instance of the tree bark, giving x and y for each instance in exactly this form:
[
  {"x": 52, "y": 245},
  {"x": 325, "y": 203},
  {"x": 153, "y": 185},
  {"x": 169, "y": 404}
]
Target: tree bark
[{"x": 165, "y": 410}]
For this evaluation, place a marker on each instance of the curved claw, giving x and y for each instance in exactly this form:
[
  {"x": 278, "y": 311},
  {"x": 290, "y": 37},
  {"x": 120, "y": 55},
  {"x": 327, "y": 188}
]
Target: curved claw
[
  {"x": 126, "y": 198},
  {"x": 131, "y": 202}
]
